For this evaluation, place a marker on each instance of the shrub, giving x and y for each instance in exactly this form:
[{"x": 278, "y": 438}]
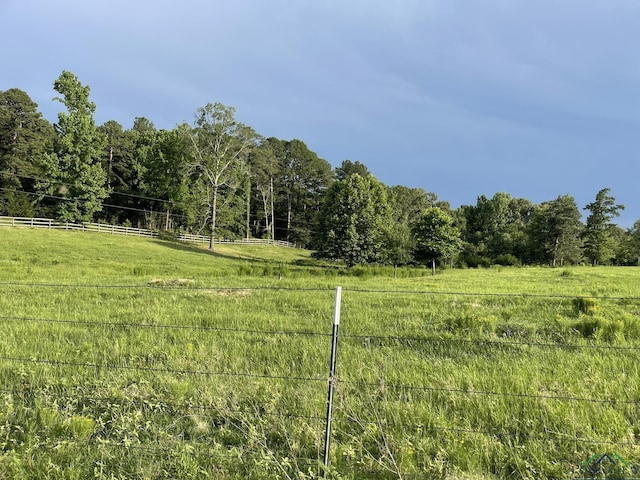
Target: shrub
[
  {"x": 507, "y": 260},
  {"x": 600, "y": 328},
  {"x": 471, "y": 323},
  {"x": 584, "y": 305},
  {"x": 143, "y": 270},
  {"x": 475, "y": 261},
  {"x": 360, "y": 271},
  {"x": 245, "y": 270}
]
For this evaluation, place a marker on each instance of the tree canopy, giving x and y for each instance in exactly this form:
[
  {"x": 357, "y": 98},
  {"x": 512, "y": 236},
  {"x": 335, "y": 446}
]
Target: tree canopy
[
  {"x": 219, "y": 177},
  {"x": 74, "y": 170},
  {"x": 598, "y": 241},
  {"x": 220, "y": 146},
  {"x": 351, "y": 221},
  {"x": 436, "y": 237}
]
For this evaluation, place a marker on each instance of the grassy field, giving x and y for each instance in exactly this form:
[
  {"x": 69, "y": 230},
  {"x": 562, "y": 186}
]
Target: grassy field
[{"x": 125, "y": 358}]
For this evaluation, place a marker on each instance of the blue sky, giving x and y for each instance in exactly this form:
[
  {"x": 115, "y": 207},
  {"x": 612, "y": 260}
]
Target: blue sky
[{"x": 462, "y": 98}]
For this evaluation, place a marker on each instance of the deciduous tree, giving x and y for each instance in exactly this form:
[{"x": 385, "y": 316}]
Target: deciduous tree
[
  {"x": 406, "y": 206},
  {"x": 634, "y": 244},
  {"x": 352, "y": 220},
  {"x": 220, "y": 146},
  {"x": 165, "y": 164},
  {"x": 436, "y": 237},
  {"x": 75, "y": 171},
  {"x": 495, "y": 228}
]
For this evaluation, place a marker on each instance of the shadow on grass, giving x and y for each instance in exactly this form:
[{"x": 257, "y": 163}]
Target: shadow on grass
[
  {"x": 191, "y": 248},
  {"x": 187, "y": 247}
]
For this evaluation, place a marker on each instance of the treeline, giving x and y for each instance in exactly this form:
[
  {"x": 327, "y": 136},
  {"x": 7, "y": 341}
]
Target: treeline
[{"x": 219, "y": 177}]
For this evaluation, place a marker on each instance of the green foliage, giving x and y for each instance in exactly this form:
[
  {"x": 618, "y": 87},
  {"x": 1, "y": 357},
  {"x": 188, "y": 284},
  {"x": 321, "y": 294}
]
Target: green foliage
[
  {"x": 587, "y": 306},
  {"x": 599, "y": 244},
  {"x": 436, "y": 236},
  {"x": 609, "y": 323},
  {"x": 554, "y": 232},
  {"x": 218, "y": 176},
  {"x": 398, "y": 244},
  {"x": 352, "y": 220},
  {"x": 220, "y": 146},
  {"x": 600, "y": 328},
  {"x": 264, "y": 170},
  {"x": 507, "y": 260},
  {"x": 496, "y": 226},
  {"x": 406, "y": 206},
  {"x": 470, "y": 323},
  {"x": 475, "y": 261},
  {"x": 302, "y": 183},
  {"x": 74, "y": 171},
  {"x": 24, "y": 138},
  {"x": 349, "y": 168}
]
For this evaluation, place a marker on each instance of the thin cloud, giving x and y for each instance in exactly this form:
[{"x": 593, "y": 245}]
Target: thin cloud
[{"x": 461, "y": 98}]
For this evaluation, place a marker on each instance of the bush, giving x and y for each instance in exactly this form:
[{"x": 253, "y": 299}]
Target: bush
[
  {"x": 472, "y": 323},
  {"x": 361, "y": 272},
  {"x": 584, "y": 305},
  {"x": 245, "y": 270},
  {"x": 167, "y": 235},
  {"x": 475, "y": 261},
  {"x": 143, "y": 270},
  {"x": 600, "y": 328},
  {"x": 507, "y": 260}
]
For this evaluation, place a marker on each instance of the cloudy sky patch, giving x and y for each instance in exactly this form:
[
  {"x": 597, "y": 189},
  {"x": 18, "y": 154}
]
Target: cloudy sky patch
[{"x": 461, "y": 98}]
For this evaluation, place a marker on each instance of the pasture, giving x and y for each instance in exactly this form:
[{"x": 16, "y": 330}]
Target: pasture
[{"x": 141, "y": 358}]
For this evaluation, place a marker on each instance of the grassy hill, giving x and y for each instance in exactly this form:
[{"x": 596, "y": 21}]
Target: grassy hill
[{"x": 125, "y": 357}]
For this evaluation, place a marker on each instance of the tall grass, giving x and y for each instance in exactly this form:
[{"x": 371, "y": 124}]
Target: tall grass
[{"x": 138, "y": 358}]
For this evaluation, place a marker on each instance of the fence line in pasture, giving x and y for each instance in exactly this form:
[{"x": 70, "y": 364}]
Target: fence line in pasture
[
  {"x": 187, "y": 287},
  {"x": 132, "y": 231},
  {"x": 208, "y": 373},
  {"x": 340, "y": 423},
  {"x": 162, "y": 326},
  {"x": 467, "y": 392},
  {"x": 344, "y": 336},
  {"x": 183, "y": 407}
]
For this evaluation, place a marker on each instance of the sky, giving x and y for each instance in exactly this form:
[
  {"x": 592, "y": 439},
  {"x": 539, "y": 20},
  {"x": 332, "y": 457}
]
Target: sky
[{"x": 536, "y": 98}]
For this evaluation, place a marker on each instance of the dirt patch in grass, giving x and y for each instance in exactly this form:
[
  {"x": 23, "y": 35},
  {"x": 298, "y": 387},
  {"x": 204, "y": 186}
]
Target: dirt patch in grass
[{"x": 171, "y": 282}]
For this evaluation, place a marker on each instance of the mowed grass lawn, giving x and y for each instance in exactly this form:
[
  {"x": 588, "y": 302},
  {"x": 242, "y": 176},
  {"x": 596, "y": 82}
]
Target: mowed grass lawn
[{"x": 125, "y": 357}]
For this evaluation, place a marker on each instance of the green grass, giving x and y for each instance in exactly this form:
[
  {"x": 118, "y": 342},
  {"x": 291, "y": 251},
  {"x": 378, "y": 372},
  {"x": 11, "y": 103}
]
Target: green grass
[{"x": 124, "y": 357}]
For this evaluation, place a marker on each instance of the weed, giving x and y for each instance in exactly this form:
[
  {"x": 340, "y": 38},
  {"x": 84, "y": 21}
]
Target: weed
[{"x": 586, "y": 306}]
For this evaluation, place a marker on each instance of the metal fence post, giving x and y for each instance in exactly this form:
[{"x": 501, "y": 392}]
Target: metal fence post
[{"x": 332, "y": 377}]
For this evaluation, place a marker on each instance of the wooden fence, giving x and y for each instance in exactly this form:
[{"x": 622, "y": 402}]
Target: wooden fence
[{"x": 118, "y": 230}]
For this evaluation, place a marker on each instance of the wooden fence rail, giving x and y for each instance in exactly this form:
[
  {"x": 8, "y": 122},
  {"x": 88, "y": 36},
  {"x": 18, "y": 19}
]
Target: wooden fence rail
[{"x": 116, "y": 229}]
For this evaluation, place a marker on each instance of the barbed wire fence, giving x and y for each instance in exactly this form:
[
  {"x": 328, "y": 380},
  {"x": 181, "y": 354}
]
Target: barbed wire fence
[{"x": 355, "y": 410}]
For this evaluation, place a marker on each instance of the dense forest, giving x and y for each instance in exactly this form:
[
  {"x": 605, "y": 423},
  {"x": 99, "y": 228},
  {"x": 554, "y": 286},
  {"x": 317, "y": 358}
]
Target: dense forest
[{"x": 218, "y": 177}]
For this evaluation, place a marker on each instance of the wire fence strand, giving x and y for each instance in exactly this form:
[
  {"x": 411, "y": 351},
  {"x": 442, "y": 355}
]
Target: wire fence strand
[
  {"x": 162, "y": 326},
  {"x": 210, "y": 373}
]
